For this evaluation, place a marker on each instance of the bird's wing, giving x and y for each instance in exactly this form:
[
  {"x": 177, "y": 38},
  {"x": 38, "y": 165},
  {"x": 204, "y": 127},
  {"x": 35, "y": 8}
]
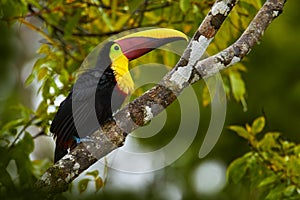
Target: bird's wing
[{"x": 77, "y": 109}]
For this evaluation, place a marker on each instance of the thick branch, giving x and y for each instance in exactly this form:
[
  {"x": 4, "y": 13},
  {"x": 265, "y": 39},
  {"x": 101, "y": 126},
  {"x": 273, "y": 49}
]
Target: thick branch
[
  {"x": 244, "y": 44},
  {"x": 187, "y": 71}
]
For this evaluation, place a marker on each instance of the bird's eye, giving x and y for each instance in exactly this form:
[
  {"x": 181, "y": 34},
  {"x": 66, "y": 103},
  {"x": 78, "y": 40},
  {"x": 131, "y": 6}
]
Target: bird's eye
[{"x": 116, "y": 48}]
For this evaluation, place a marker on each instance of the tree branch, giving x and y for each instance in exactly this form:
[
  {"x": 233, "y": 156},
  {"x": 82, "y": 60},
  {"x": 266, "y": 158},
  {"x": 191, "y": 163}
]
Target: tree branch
[{"x": 188, "y": 70}]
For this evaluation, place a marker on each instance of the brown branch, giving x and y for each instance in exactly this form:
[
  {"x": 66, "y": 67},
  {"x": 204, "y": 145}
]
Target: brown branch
[
  {"x": 187, "y": 71},
  {"x": 251, "y": 36}
]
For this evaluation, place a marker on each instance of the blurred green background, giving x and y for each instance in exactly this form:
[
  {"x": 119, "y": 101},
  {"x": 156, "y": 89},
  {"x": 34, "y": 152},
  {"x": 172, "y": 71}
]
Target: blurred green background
[{"x": 271, "y": 79}]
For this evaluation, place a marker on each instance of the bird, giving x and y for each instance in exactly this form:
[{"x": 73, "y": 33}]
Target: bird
[{"x": 100, "y": 91}]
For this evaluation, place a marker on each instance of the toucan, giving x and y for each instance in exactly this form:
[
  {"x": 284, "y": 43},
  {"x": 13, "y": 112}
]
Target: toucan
[{"x": 101, "y": 90}]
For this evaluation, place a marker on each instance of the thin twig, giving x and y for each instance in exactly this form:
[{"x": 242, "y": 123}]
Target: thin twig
[
  {"x": 22, "y": 131},
  {"x": 40, "y": 31}
]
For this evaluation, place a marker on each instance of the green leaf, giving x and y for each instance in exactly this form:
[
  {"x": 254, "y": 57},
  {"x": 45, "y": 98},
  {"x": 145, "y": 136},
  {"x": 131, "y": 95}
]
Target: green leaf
[
  {"x": 258, "y": 3},
  {"x": 134, "y": 4},
  {"x": 293, "y": 167},
  {"x": 241, "y": 131},
  {"x": 99, "y": 183},
  {"x": 13, "y": 124},
  {"x": 250, "y": 7},
  {"x": 10, "y": 9},
  {"x": 238, "y": 87},
  {"x": 94, "y": 173},
  {"x": 107, "y": 20},
  {"x": 289, "y": 190},
  {"x": 184, "y": 5},
  {"x": 269, "y": 180},
  {"x": 64, "y": 77},
  {"x": 205, "y": 97},
  {"x": 258, "y": 125},
  {"x": 44, "y": 49},
  {"x": 276, "y": 192},
  {"x": 41, "y": 110},
  {"x": 82, "y": 185},
  {"x": 114, "y": 5},
  {"x": 42, "y": 72},
  {"x": 248, "y": 128},
  {"x": 29, "y": 79},
  {"x": 121, "y": 21},
  {"x": 297, "y": 150},
  {"x": 71, "y": 23},
  {"x": 27, "y": 143},
  {"x": 5, "y": 179},
  {"x": 20, "y": 153},
  {"x": 46, "y": 89},
  {"x": 269, "y": 141},
  {"x": 226, "y": 85},
  {"x": 238, "y": 168},
  {"x": 38, "y": 64}
]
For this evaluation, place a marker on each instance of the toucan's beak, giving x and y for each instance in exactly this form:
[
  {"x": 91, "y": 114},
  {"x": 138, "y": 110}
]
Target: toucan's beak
[{"x": 140, "y": 43}]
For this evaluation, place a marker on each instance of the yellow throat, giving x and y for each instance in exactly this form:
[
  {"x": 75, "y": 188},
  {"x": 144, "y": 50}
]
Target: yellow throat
[{"x": 120, "y": 67}]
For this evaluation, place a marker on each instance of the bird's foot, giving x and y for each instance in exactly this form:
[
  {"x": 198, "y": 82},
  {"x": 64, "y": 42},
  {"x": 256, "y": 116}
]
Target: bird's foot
[{"x": 85, "y": 139}]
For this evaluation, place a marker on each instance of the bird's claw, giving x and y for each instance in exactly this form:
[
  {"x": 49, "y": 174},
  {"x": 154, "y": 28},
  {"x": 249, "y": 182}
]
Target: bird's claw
[{"x": 85, "y": 139}]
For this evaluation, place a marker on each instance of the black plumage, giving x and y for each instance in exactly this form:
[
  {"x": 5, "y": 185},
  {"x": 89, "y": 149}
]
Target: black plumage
[{"x": 88, "y": 105}]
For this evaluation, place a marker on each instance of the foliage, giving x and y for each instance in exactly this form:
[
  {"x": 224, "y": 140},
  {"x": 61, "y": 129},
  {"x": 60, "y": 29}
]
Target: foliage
[
  {"x": 83, "y": 183},
  {"x": 271, "y": 168},
  {"x": 71, "y": 29}
]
